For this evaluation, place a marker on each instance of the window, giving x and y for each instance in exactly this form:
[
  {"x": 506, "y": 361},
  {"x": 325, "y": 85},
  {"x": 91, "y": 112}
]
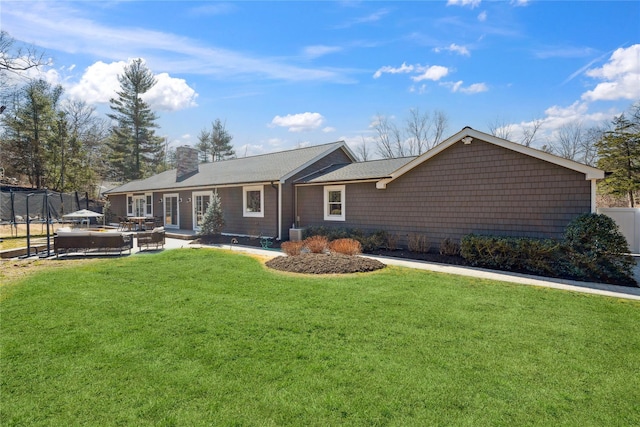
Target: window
[
  {"x": 334, "y": 203},
  {"x": 140, "y": 204},
  {"x": 149, "y": 205},
  {"x": 253, "y": 201}
]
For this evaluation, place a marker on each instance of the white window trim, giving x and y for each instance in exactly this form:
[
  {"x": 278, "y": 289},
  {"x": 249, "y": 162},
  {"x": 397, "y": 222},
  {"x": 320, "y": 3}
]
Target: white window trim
[
  {"x": 245, "y": 190},
  {"x": 193, "y": 210},
  {"x": 144, "y": 197},
  {"x": 327, "y": 214}
]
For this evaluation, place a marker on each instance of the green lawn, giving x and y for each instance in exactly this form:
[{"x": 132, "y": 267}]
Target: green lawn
[{"x": 204, "y": 337}]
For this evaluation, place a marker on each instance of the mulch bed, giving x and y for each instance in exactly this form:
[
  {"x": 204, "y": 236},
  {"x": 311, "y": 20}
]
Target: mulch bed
[
  {"x": 324, "y": 264},
  {"x": 327, "y": 263}
]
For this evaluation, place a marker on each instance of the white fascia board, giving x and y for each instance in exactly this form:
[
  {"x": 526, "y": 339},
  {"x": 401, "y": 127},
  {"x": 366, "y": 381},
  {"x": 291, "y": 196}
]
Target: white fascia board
[{"x": 341, "y": 145}]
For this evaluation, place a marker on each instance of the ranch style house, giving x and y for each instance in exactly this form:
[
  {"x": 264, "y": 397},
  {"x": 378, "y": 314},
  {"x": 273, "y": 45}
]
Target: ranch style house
[{"x": 471, "y": 182}]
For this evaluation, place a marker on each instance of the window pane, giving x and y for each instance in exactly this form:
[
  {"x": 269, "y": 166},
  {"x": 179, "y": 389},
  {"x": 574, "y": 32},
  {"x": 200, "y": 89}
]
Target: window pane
[
  {"x": 335, "y": 196},
  {"x": 253, "y": 201}
]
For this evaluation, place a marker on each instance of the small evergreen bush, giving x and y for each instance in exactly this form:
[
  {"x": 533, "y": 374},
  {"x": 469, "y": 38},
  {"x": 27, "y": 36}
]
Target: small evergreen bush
[{"x": 213, "y": 220}]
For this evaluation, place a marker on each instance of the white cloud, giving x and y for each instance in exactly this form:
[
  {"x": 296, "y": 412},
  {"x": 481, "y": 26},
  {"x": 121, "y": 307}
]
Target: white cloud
[
  {"x": 302, "y": 122},
  {"x": 170, "y": 94},
  {"x": 461, "y": 50},
  {"x": 320, "y": 50},
  {"x": 621, "y": 75},
  {"x": 404, "y": 68},
  {"x": 435, "y": 73},
  {"x": 328, "y": 129},
  {"x": 472, "y": 3},
  {"x": 99, "y": 84},
  {"x": 482, "y": 16},
  {"x": 470, "y": 90}
]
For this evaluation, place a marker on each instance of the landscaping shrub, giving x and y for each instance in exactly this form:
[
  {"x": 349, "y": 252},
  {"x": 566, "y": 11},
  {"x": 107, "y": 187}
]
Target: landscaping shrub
[
  {"x": 369, "y": 241},
  {"x": 316, "y": 244},
  {"x": 593, "y": 249},
  {"x": 418, "y": 243},
  {"x": 596, "y": 250},
  {"x": 345, "y": 246},
  {"x": 392, "y": 242},
  {"x": 449, "y": 247},
  {"x": 537, "y": 256},
  {"x": 291, "y": 248},
  {"x": 374, "y": 241}
]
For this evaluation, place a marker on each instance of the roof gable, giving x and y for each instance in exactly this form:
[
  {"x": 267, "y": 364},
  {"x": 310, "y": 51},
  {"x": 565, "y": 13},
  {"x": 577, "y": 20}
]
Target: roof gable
[{"x": 467, "y": 135}]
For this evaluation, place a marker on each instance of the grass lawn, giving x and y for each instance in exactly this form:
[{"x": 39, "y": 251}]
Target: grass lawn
[{"x": 204, "y": 337}]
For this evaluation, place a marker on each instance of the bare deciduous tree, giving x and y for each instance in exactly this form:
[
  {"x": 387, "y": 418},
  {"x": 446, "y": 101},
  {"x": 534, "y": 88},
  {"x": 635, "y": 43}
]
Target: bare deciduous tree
[
  {"x": 500, "y": 128},
  {"x": 422, "y": 133},
  {"x": 569, "y": 140},
  {"x": 529, "y": 132},
  {"x": 362, "y": 150}
]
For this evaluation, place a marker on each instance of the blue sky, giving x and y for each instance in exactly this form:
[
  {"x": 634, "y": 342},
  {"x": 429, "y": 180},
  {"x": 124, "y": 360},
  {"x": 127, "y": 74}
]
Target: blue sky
[{"x": 289, "y": 74}]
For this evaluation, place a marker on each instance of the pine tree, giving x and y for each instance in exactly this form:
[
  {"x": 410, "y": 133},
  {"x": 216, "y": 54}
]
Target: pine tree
[
  {"x": 135, "y": 149},
  {"x": 619, "y": 153},
  {"x": 213, "y": 220},
  {"x": 221, "y": 147}
]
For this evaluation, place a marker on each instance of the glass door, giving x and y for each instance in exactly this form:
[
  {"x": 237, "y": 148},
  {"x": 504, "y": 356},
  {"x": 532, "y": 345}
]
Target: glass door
[
  {"x": 201, "y": 202},
  {"x": 171, "y": 216}
]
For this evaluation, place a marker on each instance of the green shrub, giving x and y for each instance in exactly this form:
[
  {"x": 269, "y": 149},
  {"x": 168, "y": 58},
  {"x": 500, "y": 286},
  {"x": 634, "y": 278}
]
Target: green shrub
[
  {"x": 596, "y": 250},
  {"x": 537, "y": 256},
  {"x": 593, "y": 249}
]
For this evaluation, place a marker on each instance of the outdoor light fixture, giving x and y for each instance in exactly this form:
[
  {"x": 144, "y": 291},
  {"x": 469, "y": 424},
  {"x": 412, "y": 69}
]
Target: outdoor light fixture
[
  {"x": 467, "y": 140},
  {"x": 189, "y": 200}
]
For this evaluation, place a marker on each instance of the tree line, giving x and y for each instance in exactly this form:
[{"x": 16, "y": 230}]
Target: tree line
[{"x": 64, "y": 145}]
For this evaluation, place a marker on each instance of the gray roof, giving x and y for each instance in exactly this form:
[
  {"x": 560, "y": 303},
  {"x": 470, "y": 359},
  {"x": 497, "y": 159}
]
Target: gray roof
[
  {"x": 262, "y": 168},
  {"x": 374, "y": 169}
]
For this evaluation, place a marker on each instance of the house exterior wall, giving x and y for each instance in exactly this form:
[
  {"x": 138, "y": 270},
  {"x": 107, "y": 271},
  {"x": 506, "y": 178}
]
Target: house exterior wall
[
  {"x": 478, "y": 188},
  {"x": 288, "y": 188},
  {"x": 236, "y": 223}
]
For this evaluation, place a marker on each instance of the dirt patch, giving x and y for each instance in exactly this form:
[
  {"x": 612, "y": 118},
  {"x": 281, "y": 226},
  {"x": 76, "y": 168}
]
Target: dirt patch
[
  {"x": 324, "y": 264},
  {"x": 14, "y": 270}
]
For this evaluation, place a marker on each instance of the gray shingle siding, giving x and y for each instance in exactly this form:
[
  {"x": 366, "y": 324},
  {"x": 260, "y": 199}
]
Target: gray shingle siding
[{"x": 477, "y": 188}]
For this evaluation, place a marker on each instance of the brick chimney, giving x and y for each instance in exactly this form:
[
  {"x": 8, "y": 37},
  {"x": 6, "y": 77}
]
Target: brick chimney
[{"x": 186, "y": 162}]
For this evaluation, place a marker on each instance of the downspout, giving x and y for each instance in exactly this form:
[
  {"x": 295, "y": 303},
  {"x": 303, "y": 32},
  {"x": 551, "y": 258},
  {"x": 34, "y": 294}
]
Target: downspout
[
  {"x": 593, "y": 196},
  {"x": 279, "y": 207}
]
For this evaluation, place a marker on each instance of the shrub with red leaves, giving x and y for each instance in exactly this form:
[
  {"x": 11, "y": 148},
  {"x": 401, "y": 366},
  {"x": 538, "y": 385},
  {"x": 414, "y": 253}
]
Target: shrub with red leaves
[
  {"x": 346, "y": 246},
  {"x": 291, "y": 248},
  {"x": 316, "y": 244}
]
